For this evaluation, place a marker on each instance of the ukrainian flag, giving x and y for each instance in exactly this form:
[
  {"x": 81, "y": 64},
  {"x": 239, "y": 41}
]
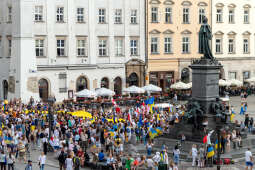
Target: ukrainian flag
[
  {"x": 216, "y": 144},
  {"x": 159, "y": 130},
  {"x": 153, "y": 133},
  {"x": 210, "y": 152},
  {"x": 232, "y": 117}
]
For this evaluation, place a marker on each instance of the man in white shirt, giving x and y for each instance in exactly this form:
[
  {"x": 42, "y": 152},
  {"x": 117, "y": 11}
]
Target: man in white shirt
[{"x": 248, "y": 159}]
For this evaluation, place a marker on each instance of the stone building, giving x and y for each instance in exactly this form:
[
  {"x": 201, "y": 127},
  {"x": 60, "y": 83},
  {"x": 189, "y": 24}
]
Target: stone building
[
  {"x": 233, "y": 42},
  {"x": 172, "y": 34},
  {"x": 52, "y": 47}
]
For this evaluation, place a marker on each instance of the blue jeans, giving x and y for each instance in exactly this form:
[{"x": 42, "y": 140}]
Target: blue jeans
[
  {"x": 176, "y": 159},
  {"x": 42, "y": 167},
  {"x": 149, "y": 151},
  {"x": 250, "y": 128}
]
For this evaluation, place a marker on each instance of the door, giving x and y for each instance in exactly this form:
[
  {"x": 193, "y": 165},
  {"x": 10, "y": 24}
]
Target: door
[{"x": 43, "y": 89}]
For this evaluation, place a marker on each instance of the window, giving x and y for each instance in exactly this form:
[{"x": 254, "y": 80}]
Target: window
[
  {"x": 168, "y": 15},
  {"x": 154, "y": 14},
  {"x": 246, "y": 75},
  {"x": 38, "y": 13},
  {"x": 9, "y": 19},
  {"x": 118, "y": 16},
  {"x": 201, "y": 15},
  {"x": 81, "y": 47},
  {"x": 119, "y": 47},
  {"x": 245, "y": 46},
  {"x": 61, "y": 47},
  {"x": 9, "y": 46},
  {"x": 219, "y": 15},
  {"x": 80, "y": 15},
  {"x": 60, "y": 14},
  {"x": 232, "y": 75},
  {"x": 231, "y": 16},
  {"x": 185, "y": 45},
  {"x": 168, "y": 45},
  {"x": 39, "y": 47},
  {"x": 134, "y": 47},
  {"x": 133, "y": 16},
  {"x": 218, "y": 45},
  {"x": 186, "y": 15},
  {"x": 102, "y": 47},
  {"x": 1, "y": 47},
  {"x": 231, "y": 46},
  {"x": 154, "y": 45},
  {"x": 62, "y": 83},
  {"x": 246, "y": 16},
  {"x": 101, "y": 16}
]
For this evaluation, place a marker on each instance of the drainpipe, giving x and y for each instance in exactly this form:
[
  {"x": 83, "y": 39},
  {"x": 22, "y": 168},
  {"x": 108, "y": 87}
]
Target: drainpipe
[{"x": 146, "y": 40}]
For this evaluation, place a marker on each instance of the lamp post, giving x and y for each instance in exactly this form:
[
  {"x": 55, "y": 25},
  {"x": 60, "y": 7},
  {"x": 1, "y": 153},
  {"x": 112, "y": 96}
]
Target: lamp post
[
  {"x": 218, "y": 130},
  {"x": 51, "y": 101}
]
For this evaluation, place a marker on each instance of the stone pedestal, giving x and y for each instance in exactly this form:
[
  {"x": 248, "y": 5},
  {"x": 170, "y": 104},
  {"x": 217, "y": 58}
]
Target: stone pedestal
[{"x": 205, "y": 80}]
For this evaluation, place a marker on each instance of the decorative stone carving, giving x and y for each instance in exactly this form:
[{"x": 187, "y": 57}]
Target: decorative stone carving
[
  {"x": 11, "y": 87},
  {"x": 32, "y": 85}
]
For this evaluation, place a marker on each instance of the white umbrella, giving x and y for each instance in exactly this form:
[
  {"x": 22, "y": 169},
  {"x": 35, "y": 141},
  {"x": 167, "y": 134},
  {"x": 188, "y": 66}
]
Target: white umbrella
[
  {"x": 251, "y": 80},
  {"x": 179, "y": 86},
  {"x": 134, "y": 89},
  {"x": 104, "y": 92},
  {"x": 235, "y": 82},
  {"x": 86, "y": 93},
  {"x": 224, "y": 83},
  {"x": 152, "y": 88},
  {"x": 189, "y": 85}
]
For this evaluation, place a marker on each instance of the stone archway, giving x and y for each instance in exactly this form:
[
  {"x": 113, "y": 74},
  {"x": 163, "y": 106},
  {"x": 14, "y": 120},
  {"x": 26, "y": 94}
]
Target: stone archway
[
  {"x": 81, "y": 83},
  {"x": 105, "y": 83},
  {"x": 5, "y": 89},
  {"x": 133, "y": 79},
  {"x": 43, "y": 89},
  {"x": 118, "y": 86}
]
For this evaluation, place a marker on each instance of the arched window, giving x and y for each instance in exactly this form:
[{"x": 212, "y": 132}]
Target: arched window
[
  {"x": 81, "y": 83},
  {"x": 133, "y": 80},
  {"x": 43, "y": 89},
  {"x": 105, "y": 83},
  {"x": 117, "y": 85},
  {"x": 5, "y": 89}
]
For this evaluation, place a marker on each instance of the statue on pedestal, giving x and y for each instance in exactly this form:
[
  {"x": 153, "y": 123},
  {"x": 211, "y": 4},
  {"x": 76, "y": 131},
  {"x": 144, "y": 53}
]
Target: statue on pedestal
[{"x": 205, "y": 36}]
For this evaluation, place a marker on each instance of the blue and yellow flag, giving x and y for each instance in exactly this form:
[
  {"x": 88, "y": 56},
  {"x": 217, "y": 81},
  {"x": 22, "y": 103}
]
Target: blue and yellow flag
[
  {"x": 210, "y": 152},
  {"x": 216, "y": 144}
]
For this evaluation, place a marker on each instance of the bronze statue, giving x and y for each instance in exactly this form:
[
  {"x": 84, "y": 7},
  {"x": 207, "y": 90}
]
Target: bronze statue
[{"x": 205, "y": 35}]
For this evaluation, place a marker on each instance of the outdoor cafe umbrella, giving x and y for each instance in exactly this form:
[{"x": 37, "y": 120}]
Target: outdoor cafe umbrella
[
  {"x": 224, "y": 83},
  {"x": 134, "y": 89},
  {"x": 189, "y": 85},
  {"x": 179, "y": 86},
  {"x": 251, "y": 80},
  {"x": 152, "y": 88},
  {"x": 235, "y": 82},
  {"x": 104, "y": 92},
  {"x": 86, "y": 93}
]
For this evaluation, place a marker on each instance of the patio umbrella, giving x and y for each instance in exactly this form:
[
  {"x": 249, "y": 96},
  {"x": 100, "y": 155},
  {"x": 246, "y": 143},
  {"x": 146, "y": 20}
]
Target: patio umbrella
[
  {"x": 152, "y": 88},
  {"x": 189, "y": 85},
  {"x": 224, "y": 83},
  {"x": 134, "y": 89},
  {"x": 251, "y": 80},
  {"x": 179, "y": 86},
  {"x": 235, "y": 82},
  {"x": 104, "y": 92},
  {"x": 86, "y": 93}
]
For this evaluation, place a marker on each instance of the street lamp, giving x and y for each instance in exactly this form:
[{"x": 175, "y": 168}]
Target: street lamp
[
  {"x": 51, "y": 101},
  {"x": 218, "y": 118}
]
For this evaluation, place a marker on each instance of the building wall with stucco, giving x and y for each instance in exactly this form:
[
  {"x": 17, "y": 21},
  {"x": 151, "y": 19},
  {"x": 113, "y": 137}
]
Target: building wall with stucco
[{"x": 172, "y": 62}]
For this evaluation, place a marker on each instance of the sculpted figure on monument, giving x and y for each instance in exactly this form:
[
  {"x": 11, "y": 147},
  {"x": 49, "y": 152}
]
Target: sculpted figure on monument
[
  {"x": 194, "y": 113},
  {"x": 205, "y": 36}
]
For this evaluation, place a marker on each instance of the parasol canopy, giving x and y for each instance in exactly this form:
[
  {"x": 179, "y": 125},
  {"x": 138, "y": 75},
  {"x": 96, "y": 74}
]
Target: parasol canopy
[
  {"x": 224, "y": 83},
  {"x": 104, "y": 92},
  {"x": 134, "y": 89},
  {"x": 152, "y": 88},
  {"x": 86, "y": 93},
  {"x": 180, "y": 86},
  {"x": 251, "y": 80},
  {"x": 235, "y": 82}
]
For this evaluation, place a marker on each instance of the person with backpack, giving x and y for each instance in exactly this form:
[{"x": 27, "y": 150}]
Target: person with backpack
[
  {"x": 29, "y": 165},
  {"x": 62, "y": 159},
  {"x": 76, "y": 162}
]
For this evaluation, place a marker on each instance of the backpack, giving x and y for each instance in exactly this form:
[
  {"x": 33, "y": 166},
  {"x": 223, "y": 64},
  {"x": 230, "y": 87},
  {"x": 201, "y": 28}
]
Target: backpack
[
  {"x": 62, "y": 157},
  {"x": 76, "y": 162}
]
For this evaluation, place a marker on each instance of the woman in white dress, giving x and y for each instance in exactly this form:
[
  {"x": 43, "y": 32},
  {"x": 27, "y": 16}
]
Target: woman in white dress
[{"x": 69, "y": 163}]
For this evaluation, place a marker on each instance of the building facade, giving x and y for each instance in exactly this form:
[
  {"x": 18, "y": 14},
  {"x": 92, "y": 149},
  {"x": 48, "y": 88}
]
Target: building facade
[
  {"x": 233, "y": 44},
  {"x": 56, "y": 48},
  {"x": 172, "y": 37}
]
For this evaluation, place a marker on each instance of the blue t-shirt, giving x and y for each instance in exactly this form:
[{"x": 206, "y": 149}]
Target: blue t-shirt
[{"x": 101, "y": 156}]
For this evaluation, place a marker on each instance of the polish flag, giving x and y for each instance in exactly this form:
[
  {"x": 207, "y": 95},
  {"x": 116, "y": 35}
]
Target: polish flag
[{"x": 114, "y": 103}]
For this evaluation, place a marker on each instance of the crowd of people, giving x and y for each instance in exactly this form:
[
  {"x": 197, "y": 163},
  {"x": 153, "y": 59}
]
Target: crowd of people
[{"x": 100, "y": 140}]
